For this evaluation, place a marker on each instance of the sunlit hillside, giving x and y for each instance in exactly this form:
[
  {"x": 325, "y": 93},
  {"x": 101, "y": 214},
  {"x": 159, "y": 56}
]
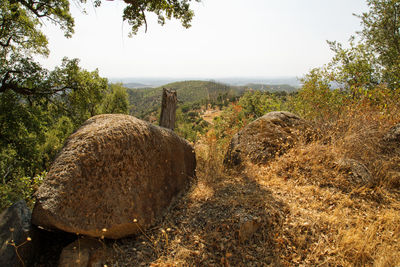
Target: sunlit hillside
[{"x": 146, "y": 101}]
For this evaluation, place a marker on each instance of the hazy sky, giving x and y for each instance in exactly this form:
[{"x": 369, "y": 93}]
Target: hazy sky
[{"x": 228, "y": 38}]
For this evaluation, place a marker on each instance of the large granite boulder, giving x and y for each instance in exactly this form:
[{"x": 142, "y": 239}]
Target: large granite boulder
[
  {"x": 265, "y": 138},
  {"x": 18, "y": 239},
  {"x": 114, "y": 174}
]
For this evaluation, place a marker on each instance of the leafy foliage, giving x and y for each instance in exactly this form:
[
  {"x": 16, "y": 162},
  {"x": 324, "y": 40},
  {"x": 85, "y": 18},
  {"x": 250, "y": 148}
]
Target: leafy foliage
[
  {"x": 316, "y": 99},
  {"x": 116, "y": 100},
  {"x": 190, "y": 125},
  {"x": 367, "y": 72},
  {"x": 381, "y": 34},
  {"x": 353, "y": 68},
  {"x": 135, "y": 12},
  {"x": 21, "y": 39},
  {"x": 21, "y": 130},
  {"x": 256, "y": 104},
  {"x": 33, "y": 130},
  {"x": 20, "y": 188},
  {"x": 82, "y": 92}
]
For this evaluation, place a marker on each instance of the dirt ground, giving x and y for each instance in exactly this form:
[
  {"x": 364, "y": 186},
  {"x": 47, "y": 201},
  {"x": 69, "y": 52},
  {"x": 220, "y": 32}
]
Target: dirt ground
[{"x": 210, "y": 114}]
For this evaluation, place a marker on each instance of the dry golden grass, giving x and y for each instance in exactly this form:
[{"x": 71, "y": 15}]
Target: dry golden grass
[
  {"x": 221, "y": 221},
  {"x": 303, "y": 209},
  {"x": 333, "y": 219}
]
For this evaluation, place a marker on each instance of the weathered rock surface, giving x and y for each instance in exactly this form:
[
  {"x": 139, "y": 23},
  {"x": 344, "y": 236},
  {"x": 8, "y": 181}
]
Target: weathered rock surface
[
  {"x": 393, "y": 135},
  {"x": 249, "y": 225},
  {"x": 267, "y": 137},
  {"x": 358, "y": 172},
  {"x": 391, "y": 141},
  {"x": 15, "y": 228},
  {"x": 114, "y": 169}
]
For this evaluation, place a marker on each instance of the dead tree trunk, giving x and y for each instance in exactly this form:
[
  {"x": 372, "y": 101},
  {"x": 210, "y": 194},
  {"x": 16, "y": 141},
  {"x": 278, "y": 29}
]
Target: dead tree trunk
[{"x": 168, "y": 109}]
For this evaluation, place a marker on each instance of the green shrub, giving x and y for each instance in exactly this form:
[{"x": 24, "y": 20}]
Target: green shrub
[{"x": 19, "y": 188}]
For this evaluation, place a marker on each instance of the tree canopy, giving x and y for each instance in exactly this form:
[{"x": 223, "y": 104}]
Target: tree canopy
[
  {"x": 135, "y": 12},
  {"x": 381, "y": 33},
  {"x": 372, "y": 58},
  {"x": 21, "y": 37}
]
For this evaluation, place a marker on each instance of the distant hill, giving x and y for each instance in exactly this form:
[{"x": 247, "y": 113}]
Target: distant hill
[
  {"x": 147, "y": 101},
  {"x": 243, "y": 81},
  {"x": 271, "y": 87},
  {"x": 136, "y": 85},
  {"x": 234, "y": 81}
]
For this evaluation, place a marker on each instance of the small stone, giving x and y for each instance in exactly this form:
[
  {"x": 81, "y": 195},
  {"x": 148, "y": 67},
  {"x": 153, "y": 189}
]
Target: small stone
[
  {"x": 90, "y": 253},
  {"x": 248, "y": 227},
  {"x": 358, "y": 173}
]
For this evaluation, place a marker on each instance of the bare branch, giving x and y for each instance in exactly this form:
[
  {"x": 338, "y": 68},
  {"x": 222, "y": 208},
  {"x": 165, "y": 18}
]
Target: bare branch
[
  {"x": 145, "y": 21},
  {"x": 6, "y": 44}
]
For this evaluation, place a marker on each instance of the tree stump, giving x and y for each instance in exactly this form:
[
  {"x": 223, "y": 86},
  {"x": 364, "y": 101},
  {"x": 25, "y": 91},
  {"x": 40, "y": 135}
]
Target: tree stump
[{"x": 168, "y": 108}]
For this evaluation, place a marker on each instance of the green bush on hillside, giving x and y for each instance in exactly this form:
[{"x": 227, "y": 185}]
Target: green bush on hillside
[{"x": 20, "y": 188}]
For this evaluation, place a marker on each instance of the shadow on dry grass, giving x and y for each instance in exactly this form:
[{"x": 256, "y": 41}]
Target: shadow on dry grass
[{"x": 229, "y": 222}]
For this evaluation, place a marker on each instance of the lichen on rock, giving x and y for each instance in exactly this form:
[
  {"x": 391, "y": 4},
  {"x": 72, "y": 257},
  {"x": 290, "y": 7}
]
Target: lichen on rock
[
  {"x": 265, "y": 138},
  {"x": 112, "y": 170}
]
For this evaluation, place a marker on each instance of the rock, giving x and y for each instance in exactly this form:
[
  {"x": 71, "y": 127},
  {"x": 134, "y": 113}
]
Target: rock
[
  {"x": 248, "y": 227},
  {"x": 51, "y": 245},
  {"x": 248, "y": 224},
  {"x": 393, "y": 135},
  {"x": 15, "y": 230},
  {"x": 84, "y": 252},
  {"x": 263, "y": 139},
  {"x": 114, "y": 169},
  {"x": 391, "y": 141},
  {"x": 359, "y": 173}
]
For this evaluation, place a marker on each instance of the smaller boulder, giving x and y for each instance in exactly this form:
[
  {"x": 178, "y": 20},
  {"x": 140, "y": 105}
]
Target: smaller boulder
[
  {"x": 265, "y": 138},
  {"x": 358, "y": 172},
  {"x": 393, "y": 135},
  {"x": 391, "y": 141},
  {"x": 18, "y": 239},
  {"x": 84, "y": 252},
  {"x": 249, "y": 225}
]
